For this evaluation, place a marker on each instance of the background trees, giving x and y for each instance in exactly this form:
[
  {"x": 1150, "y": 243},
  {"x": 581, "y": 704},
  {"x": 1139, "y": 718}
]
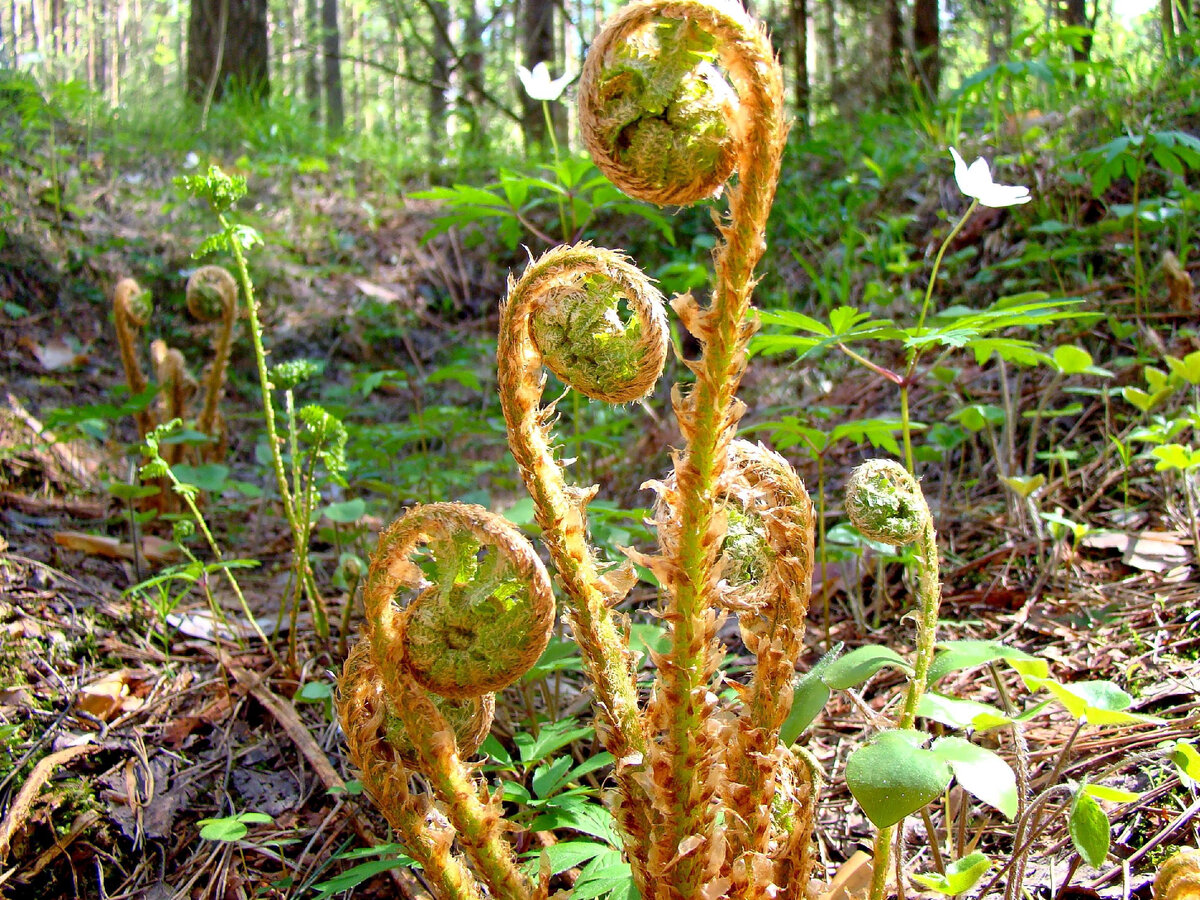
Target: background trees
[{"x": 438, "y": 75}]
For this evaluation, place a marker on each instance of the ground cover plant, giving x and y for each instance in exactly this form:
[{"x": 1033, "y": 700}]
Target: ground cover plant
[{"x": 225, "y": 672}]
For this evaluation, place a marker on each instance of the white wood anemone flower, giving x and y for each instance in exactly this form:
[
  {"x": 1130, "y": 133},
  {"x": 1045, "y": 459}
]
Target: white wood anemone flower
[
  {"x": 975, "y": 181},
  {"x": 539, "y": 85}
]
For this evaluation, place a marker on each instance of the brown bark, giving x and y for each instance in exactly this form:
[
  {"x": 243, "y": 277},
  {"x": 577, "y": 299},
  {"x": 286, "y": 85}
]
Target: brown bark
[
  {"x": 537, "y": 18},
  {"x": 335, "y": 111},
  {"x": 227, "y": 46},
  {"x": 798, "y": 11},
  {"x": 927, "y": 44}
]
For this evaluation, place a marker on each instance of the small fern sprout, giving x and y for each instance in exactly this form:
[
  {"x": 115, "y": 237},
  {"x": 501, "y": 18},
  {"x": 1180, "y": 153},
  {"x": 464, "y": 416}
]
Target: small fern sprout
[
  {"x": 212, "y": 297},
  {"x": 885, "y": 502},
  {"x": 132, "y": 308}
]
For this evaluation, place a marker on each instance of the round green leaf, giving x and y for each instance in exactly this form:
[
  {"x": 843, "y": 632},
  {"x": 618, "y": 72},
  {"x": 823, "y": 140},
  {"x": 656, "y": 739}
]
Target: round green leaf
[
  {"x": 981, "y": 773},
  {"x": 1187, "y": 760},
  {"x": 347, "y": 512},
  {"x": 860, "y": 664},
  {"x": 958, "y": 655},
  {"x": 892, "y": 776},
  {"x": 208, "y": 477},
  {"x": 955, "y": 713},
  {"x": 1071, "y": 360},
  {"x": 961, "y": 875},
  {"x": 1089, "y": 827},
  {"x": 809, "y": 696}
]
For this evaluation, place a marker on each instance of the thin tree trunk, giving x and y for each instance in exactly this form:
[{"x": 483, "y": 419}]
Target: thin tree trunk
[
  {"x": 439, "y": 78},
  {"x": 799, "y": 16},
  {"x": 927, "y": 44},
  {"x": 537, "y": 21},
  {"x": 227, "y": 43},
  {"x": 335, "y": 112},
  {"x": 473, "y": 75},
  {"x": 1166, "y": 16},
  {"x": 894, "y": 29},
  {"x": 829, "y": 37},
  {"x": 312, "y": 71}
]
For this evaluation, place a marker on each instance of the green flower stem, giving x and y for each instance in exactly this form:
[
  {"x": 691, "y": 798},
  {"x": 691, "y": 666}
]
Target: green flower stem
[
  {"x": 320, "y": 618},
  {"x": 215, "y": 550},
  {"x": 937, "y": 264},
  {"x": 906, "y": 430},
  {"x": 929, "y": 596},
  {"x": 562, "y": 209}
]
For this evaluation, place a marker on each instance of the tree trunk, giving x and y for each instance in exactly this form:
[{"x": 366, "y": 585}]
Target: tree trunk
[
  {"x": 829, "y": 37},
  {"x": 227, "y": 47},
  {"x": 335, "y": 110},
  {"x": 927, "y": 44},
  {"x": 439, "y": 77},
  {"x": 472, "y": 69},
  {"x": 893, "y": 26},
  {"x": 1075, "y": 16},
  {"x": 312, "y": 69},
  {"x": 538, "y": 24},
  {"x": 799, "y": 16}
]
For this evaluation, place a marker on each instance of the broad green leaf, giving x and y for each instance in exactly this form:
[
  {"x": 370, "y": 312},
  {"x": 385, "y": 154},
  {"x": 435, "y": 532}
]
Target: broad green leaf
[
  {"x": 960, "y": 713},
  {"x": 1186, "y": 759},
  {"x": 352, "y": 878},
  {"x": 961, "y": 875},
  {"x": 315, "y": 692},
  {"x": 809, "y": 696},
  {"x": 958, "y": 655},
  {"x": 978, "y": 416},
  {"x": 1071, "y": 360},
  {"x": 606, "y": 873},
  {"x": 1111, "y": 794},
  {"x": 586, "y": 818},
  {"x": 346, "y": 512},
  {"x": 892, "y": 776},
  {"x": 547, "y": 778},
  {"x": 231, "y": 828},
  {"x": 1186, "y": 369},
  {"x": 860, "y": 664},
  {"x": 1101, "y": 702},
  {"x": 1090, "y": 829},
  {"x": 981, "y": 773},
  {"x": 208, "y": 477},
  {"x": 1175, "y": 456}
]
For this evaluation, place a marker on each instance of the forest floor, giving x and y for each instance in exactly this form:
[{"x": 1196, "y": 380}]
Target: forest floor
[{"x": 118, "y": 734}]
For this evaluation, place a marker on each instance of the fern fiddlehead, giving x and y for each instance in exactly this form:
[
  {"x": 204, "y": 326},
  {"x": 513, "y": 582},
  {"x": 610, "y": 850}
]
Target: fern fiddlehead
[
  {"x": 212, "y": 297},
  {"x": 132, "y": 308},
  {"x": 457, "y": 605}
]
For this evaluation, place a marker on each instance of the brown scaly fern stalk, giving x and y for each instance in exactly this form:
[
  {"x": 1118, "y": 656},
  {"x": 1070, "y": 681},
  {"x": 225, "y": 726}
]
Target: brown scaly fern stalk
[
  {"x": 650, "y": 61},
  {"x": 416, "y": 690},
  {"x": 132, "y": 308},
  {"x": 212, "y": 297},
  {"x": 563, "y": 313},
  {"x": 178, "y": 388}
]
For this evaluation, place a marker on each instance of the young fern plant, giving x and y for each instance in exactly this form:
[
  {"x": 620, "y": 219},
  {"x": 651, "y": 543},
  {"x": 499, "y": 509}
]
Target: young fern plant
[{"x": 679, "y": 102}]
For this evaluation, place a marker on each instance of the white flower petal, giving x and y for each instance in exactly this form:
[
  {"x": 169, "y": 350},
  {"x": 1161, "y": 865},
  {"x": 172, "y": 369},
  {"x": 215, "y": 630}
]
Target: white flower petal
[
  {"x": 538, "y": 84},
  {"x": 976, "y": 181}
]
